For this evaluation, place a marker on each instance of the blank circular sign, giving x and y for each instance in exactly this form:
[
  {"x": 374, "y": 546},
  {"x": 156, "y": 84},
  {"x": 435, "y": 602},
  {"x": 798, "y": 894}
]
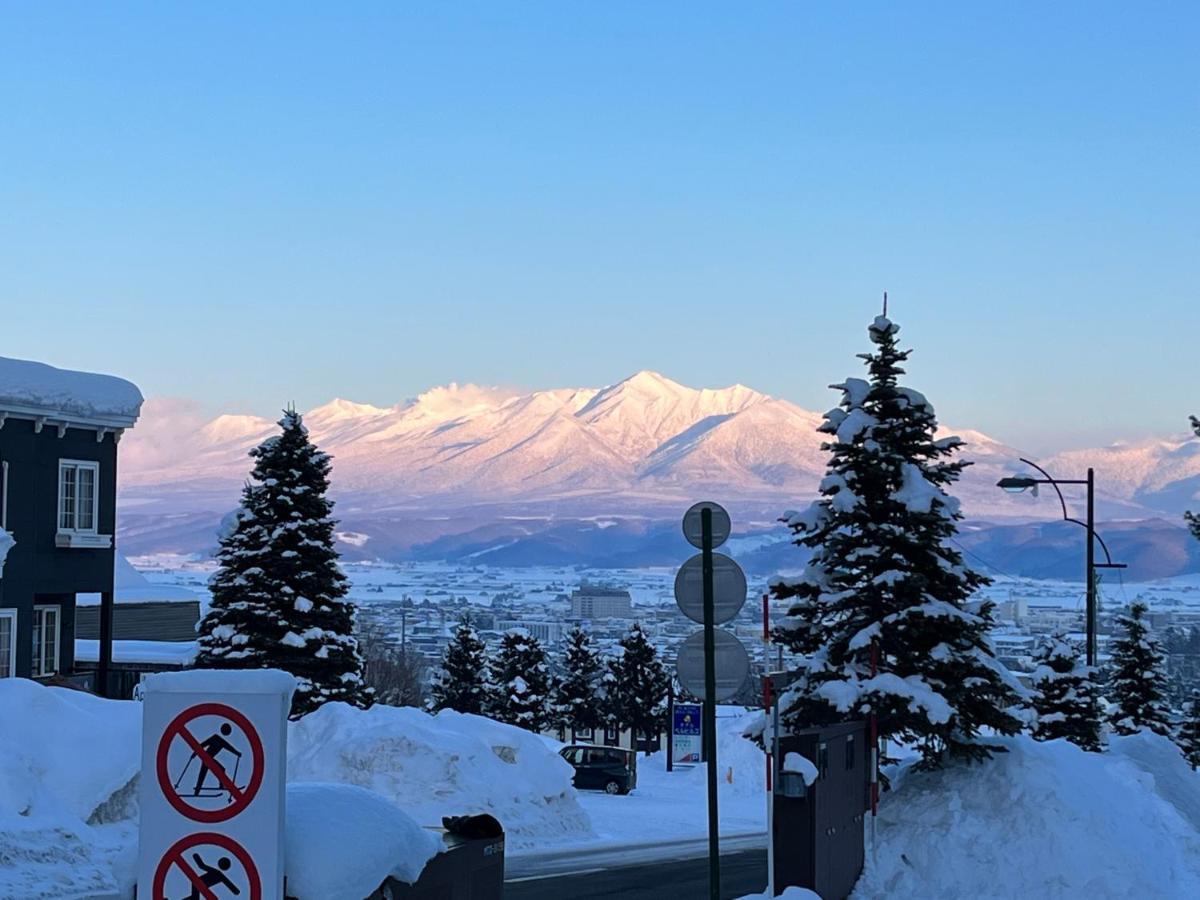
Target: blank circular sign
[
  {"x": 731, "y": 664},
  {"x": 693, "y": 528},
  {"x": 729, "y": 588}
]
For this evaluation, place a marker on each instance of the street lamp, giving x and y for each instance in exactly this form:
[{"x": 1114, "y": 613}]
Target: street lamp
[{"x": 1016, "y": 484}]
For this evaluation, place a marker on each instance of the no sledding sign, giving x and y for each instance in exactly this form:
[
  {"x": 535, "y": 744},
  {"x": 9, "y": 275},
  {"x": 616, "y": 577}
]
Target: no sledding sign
[{"x": 212, "y": 788}]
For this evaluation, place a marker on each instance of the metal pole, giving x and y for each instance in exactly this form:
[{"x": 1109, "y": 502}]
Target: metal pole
[
  {"x": 770, "y": 748},
  {"x": 710, "y": 710},
  {"x": 1091, "y": 568},
  {"x": 671, "y": 725}
]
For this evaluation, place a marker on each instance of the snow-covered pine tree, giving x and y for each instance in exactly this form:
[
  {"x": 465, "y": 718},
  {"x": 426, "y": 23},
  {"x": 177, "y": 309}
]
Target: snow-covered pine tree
[
  {"x": 636, "y": 686},
  {"x": 1066, "y": 696},
  {"x": 278, "y": 597},
  {"x": 1138, "y": 683},
  {"x": 521, "y": 688},
  {"x": 462, "y": 683},
  {"x": 884, "y": 580},
  {"x": 577, "y": 704},
  {"x": 1189, "y": 732}
]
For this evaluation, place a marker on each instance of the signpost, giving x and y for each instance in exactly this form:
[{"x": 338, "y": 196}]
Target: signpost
[
  {"x": 214, "y": 761},
  {"x": 697, "y": 587}
]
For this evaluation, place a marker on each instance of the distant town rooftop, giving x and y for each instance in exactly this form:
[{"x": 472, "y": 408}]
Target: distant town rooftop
[
  {"x": 33, "y": 390},
  {"x": 597, "y": 590}
]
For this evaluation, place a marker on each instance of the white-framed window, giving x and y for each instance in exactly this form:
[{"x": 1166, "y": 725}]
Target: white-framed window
[
  {"x": 78, "y": 495},
  {"x": 45, "y": 640},
  {"x": 8, "y": 643}
]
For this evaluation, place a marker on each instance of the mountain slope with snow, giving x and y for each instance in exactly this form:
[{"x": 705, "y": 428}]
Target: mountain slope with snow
[{"x": 643, "y": 448}]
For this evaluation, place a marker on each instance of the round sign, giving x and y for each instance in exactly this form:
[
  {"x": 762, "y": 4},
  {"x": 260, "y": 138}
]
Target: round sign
[
  {"x": 731, "y": 664},
  {"x": 210, "y": 762},
  {"x": 693, "y": 526},
  {"x": 729, "y": 588},
  {"x": 200, "y": 864}
]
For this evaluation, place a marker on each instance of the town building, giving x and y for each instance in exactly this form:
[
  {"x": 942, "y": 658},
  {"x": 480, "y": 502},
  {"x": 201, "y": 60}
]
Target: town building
[
  {"x": 591, "y": 601},
  {"x": 58, "y": 495}
]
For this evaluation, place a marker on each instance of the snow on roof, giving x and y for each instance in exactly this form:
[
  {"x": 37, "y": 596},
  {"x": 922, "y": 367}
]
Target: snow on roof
[
  {"x": 171, "y": 653},
  {"x": 35, "y": 388}
]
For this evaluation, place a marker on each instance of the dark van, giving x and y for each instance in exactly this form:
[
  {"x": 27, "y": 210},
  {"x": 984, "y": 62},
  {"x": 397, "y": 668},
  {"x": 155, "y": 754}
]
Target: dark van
[{"x": 608, "y": 769}]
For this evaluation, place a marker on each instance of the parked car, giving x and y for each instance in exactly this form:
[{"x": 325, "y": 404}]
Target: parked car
[{"x": 608, "y": 769}]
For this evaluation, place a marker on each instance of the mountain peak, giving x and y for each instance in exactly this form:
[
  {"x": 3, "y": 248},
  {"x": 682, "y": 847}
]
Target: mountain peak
[{"x": 338, "y": 409}]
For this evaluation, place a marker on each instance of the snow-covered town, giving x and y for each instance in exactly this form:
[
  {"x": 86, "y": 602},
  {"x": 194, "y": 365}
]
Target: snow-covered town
[{"x": 563, "y": 452}]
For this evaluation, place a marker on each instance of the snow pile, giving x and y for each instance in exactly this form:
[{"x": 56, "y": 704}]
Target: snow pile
[
  {"x": 35, "y": 385},
  {"x": 791, "y": 893},
  {"x": 802, "y": 766},
  {"x": 1044, "y": 820},
  {"x": 343, "y": 841},
  {"x": 67, "y": 759},
  {"x": 7, "y": 541},
  {"x": 435, "y": 766}
]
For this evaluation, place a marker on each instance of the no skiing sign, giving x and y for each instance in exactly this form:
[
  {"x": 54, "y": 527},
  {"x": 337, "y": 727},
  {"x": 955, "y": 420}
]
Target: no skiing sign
[{"x": 212, "y": 788}]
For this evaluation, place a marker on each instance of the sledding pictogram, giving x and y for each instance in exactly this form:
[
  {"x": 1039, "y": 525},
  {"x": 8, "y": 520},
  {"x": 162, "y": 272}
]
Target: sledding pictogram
[
  {"x": 206, "y": 866},
  {"x": 210, "y": 762}
]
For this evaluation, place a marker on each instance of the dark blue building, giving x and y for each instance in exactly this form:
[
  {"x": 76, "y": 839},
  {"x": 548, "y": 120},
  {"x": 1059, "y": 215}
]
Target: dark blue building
[{"x": 59, "y": 432}]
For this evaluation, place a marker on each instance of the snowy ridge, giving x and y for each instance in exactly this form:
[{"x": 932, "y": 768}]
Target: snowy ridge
[{"x": 647, "y": 440}]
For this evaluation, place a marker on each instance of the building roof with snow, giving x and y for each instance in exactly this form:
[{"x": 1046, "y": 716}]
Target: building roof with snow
[{"x": 33, "y": 390}]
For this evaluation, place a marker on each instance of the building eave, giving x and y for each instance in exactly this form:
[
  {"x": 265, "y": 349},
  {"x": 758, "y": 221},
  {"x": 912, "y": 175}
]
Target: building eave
[{"x": 57, "y": 417}]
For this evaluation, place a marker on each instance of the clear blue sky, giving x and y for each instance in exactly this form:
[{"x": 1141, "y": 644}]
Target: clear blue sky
[{"x": 249, "y": 203}]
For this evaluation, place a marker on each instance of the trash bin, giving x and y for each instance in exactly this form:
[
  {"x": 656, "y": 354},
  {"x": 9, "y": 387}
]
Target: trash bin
[
  {"x": 818, "y": 828},
  {"x": 471, "y": 867}
]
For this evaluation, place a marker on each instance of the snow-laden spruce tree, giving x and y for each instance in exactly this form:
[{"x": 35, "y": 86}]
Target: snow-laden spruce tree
[
  {"x": 462, "y": 683},
  {"x": 1138, "y": 682},
  {"x": 636, "y": 686},
  {"x": 278, "y": 597},
  {"x": 884, "y": 579},
  {"x": 521, "y": 685},
  {"x": 577, "y": 704},
  {"x": 1066, "y": 696},
  {"x": 1189, "y": 732}
]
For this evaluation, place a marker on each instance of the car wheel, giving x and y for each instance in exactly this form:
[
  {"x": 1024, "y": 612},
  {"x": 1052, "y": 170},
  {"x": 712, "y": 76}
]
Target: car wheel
[{"x": 612, "y": 788}]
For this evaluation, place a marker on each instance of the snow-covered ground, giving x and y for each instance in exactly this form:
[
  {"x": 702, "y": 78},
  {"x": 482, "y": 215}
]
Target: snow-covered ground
[{"x": 1043, "y": 820}]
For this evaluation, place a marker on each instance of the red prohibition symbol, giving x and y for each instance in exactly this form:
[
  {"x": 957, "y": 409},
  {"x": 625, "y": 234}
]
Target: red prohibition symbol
[
  {"x": 199, "y": 872},
  {"x": 240, "y": 797}
]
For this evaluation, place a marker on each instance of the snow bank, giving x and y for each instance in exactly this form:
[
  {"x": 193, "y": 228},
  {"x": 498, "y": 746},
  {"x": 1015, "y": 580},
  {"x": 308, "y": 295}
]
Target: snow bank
[
  {"x": 343, "y": 841},
  {"x": 1044, "y": 820},
  {"x": 64, "y": 751},
  {"x": 38, "y": 386},
  {"x": 435, "y": 766},
  {"x": 66, "y": 758}
]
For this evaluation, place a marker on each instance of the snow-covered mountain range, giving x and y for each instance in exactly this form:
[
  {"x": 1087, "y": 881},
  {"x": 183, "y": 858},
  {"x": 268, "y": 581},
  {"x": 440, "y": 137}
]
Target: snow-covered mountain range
[{"x": 642, "y": 448}]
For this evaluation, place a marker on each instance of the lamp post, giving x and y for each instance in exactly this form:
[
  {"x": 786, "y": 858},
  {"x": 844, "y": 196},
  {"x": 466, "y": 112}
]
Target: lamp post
[{"x": 1017, "y": 484}]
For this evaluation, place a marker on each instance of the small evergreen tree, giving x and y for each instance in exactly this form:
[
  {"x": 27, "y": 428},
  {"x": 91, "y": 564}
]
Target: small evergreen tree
[
  {"x": 521, "y": 684},
  {"x": 577, "y": 703},
  {"x": 278, "y": 597},
  {"x": 1066, "y": 696},
  {"x": 636, "y": 686},
  {"x": 1189, "y": 733},
  {"x": 881, "y": 613},
  {"x": 462, "y": 683},
  {"x": 1138, "y": 685}
]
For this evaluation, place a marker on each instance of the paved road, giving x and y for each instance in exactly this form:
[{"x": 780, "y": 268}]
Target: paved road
[{"x": 742, "y": 872}]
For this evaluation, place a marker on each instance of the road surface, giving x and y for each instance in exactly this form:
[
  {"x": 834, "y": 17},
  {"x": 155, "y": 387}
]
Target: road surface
[{"x": 742, "y": 872}]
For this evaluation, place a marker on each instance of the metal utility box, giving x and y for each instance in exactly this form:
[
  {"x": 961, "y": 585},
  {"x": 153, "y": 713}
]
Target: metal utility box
[
  {"x": 470, "y": 868},
  {"x": 818, "y": 835}
]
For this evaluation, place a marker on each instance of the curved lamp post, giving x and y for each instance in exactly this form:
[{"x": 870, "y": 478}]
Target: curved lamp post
[{"x": 1017, "y": 484}]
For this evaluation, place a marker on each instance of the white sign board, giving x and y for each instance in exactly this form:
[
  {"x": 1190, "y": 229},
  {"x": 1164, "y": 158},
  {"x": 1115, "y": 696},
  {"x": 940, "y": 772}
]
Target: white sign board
[{"x": 214, "y": 763}]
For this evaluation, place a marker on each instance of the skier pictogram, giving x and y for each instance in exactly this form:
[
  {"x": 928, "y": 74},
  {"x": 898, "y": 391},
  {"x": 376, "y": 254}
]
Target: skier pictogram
[{"x": 210, "y": 762}]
